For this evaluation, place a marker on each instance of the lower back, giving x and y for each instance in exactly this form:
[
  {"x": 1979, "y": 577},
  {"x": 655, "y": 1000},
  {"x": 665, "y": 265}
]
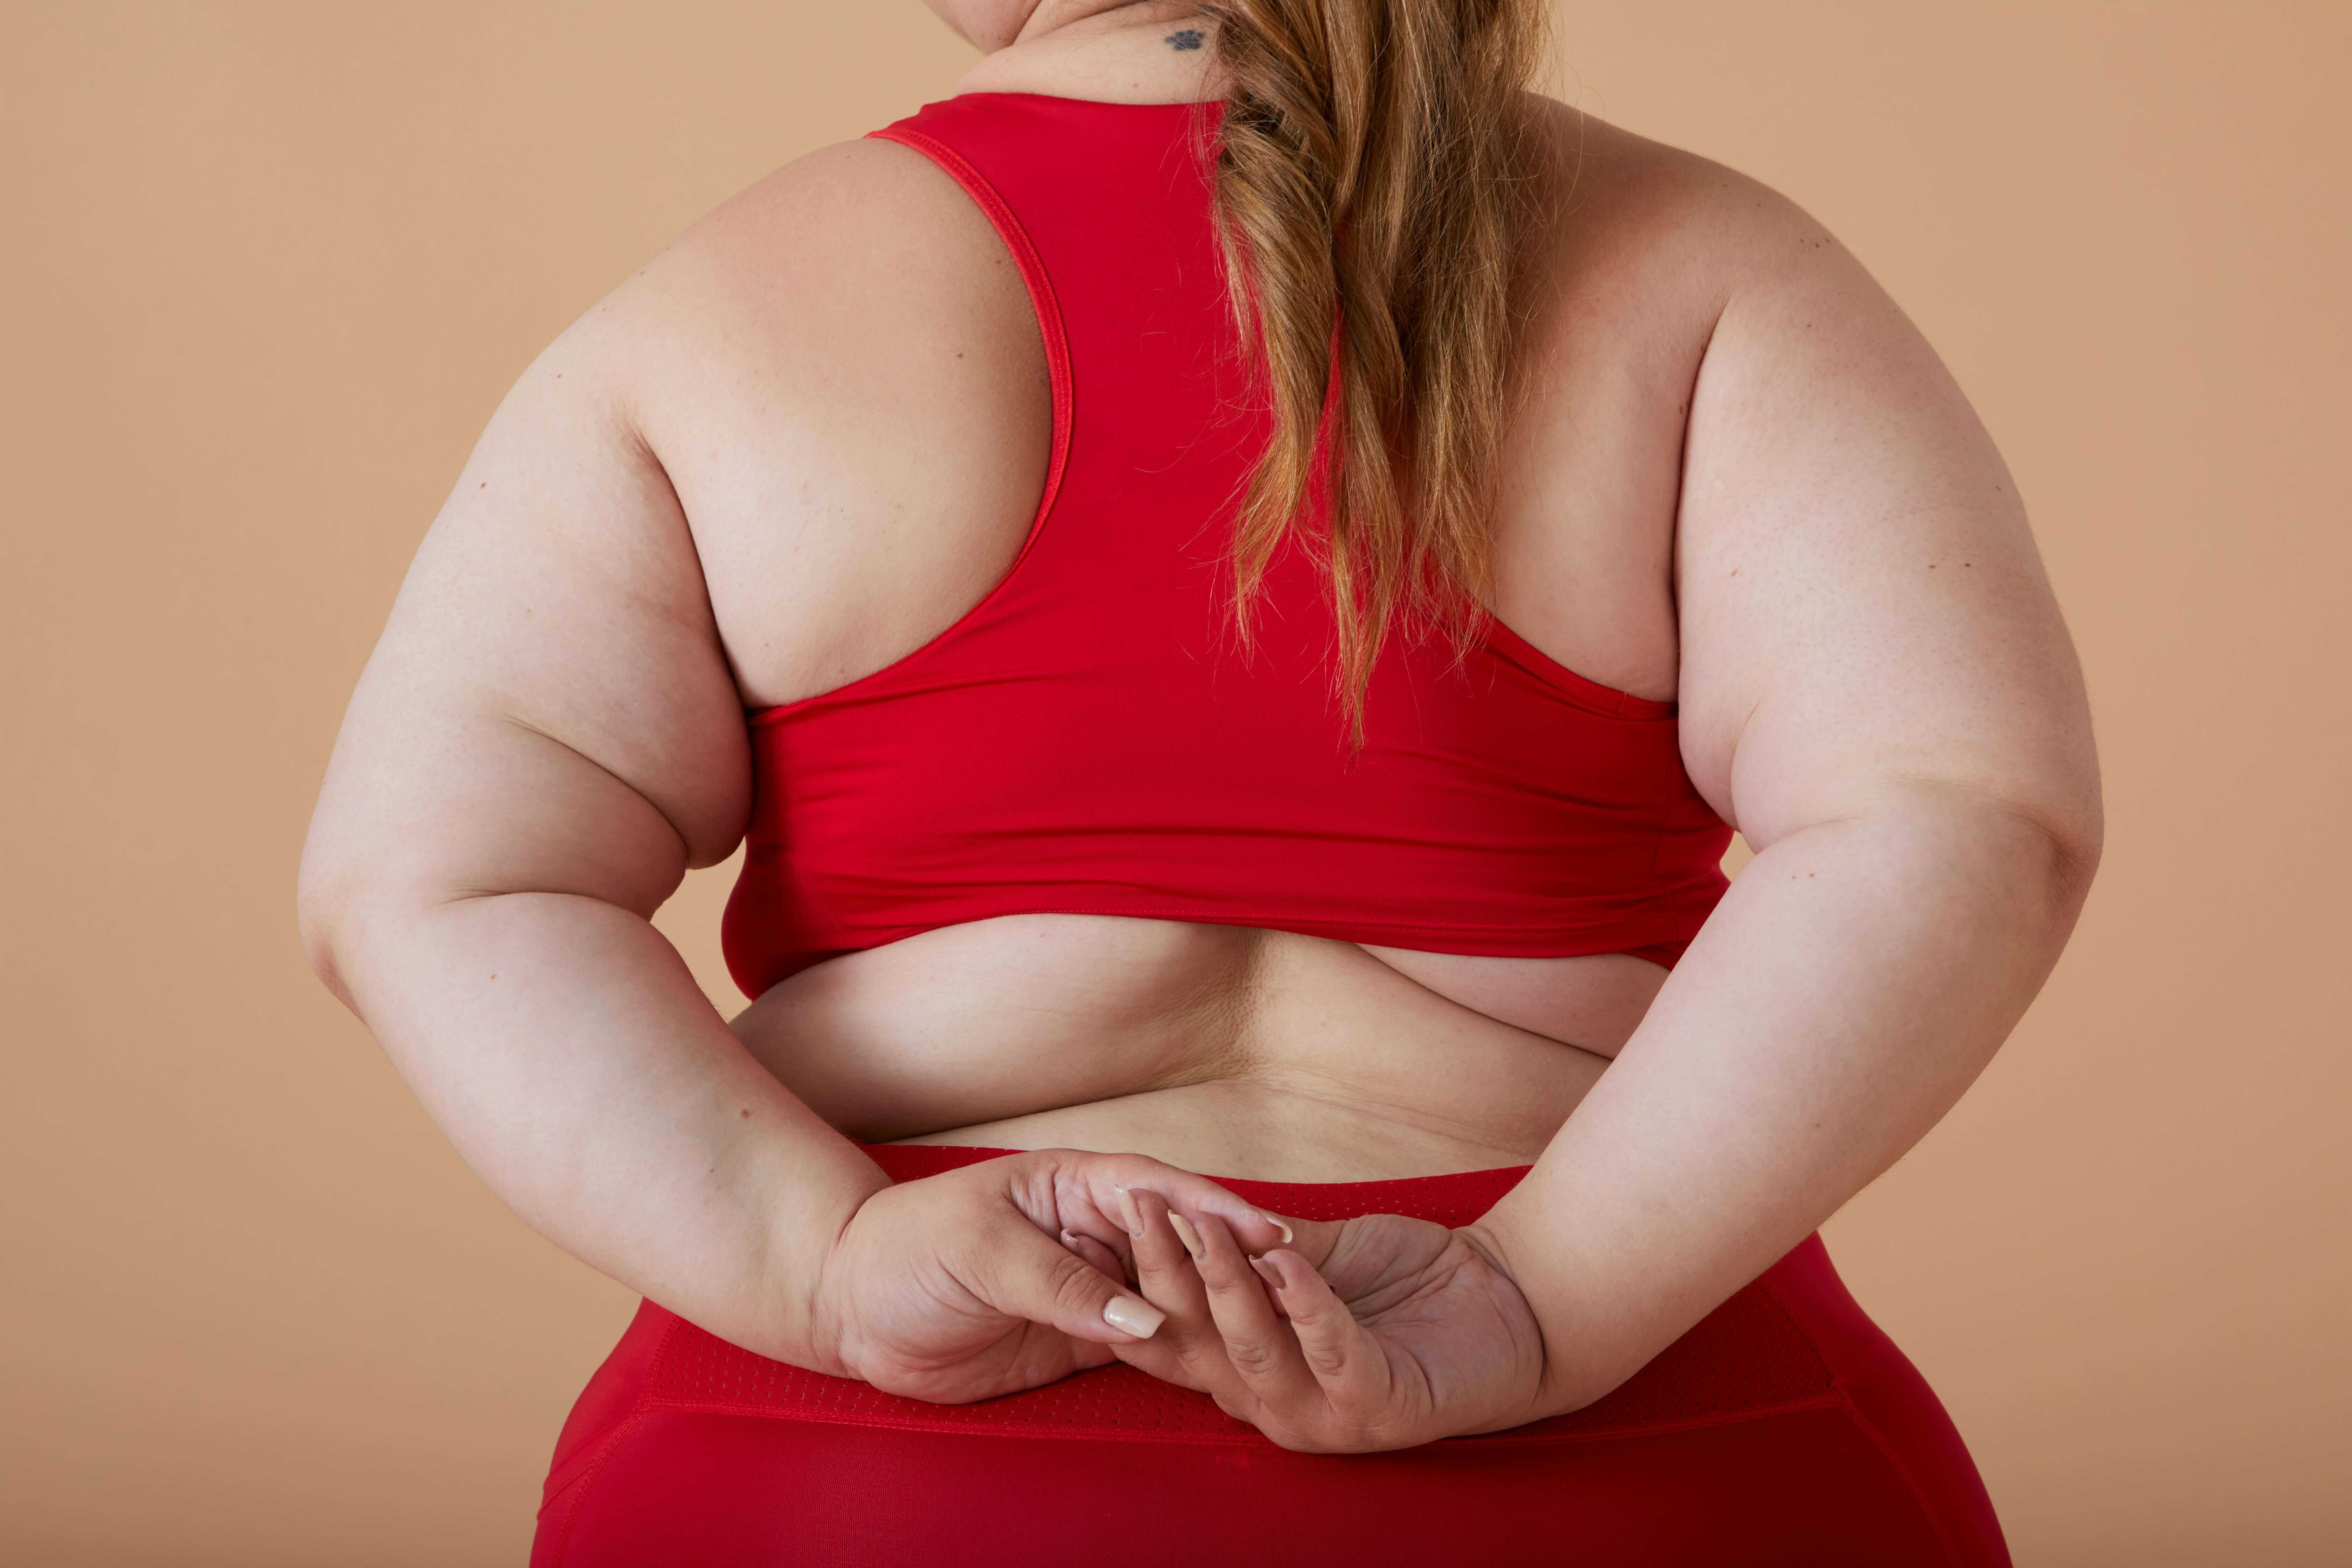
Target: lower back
[{"x": 1254, "y": 1054}]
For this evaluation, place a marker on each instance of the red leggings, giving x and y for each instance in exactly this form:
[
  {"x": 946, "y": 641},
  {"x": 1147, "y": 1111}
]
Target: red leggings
[{"x": 1784, "y": 1428}]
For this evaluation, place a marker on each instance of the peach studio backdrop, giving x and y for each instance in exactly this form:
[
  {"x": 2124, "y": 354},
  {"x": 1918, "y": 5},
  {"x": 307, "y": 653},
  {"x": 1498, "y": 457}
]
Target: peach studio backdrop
[{"x": 268, "y": 266}]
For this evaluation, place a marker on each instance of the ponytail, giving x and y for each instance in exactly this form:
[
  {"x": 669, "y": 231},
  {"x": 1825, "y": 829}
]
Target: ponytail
[{"x": 1370, "y": 179}]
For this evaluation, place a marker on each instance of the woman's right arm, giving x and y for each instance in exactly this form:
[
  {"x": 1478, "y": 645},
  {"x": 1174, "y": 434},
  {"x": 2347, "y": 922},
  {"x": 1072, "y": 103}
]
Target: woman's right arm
[
  {"x": 544, "y": 741},
  {"x": 546, "y": 738}
]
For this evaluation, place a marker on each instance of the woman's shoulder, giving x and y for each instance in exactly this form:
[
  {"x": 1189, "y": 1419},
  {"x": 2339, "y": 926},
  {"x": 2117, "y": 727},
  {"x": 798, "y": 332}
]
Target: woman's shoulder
[
  {"x": 1634, "y": 253},
  {"x": 840, "y": 251},
  {"x": 1661, "y": 237},
  {"x": 839, "y": 373}
]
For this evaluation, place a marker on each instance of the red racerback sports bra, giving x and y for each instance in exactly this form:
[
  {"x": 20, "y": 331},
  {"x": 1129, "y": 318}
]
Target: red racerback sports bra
[{"x": 1091, "y": 737}]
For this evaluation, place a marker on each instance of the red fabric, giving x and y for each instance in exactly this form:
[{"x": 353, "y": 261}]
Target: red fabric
[
  {"x": 1092, "y": 737},
  {"x": 1784, "y": 1428}
]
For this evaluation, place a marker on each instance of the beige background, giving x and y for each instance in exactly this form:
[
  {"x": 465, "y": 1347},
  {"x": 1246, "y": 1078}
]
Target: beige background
[{"x": 267, "y": 266}]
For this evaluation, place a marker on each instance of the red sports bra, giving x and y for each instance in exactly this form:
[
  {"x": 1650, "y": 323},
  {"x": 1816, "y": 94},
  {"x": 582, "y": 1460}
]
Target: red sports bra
[{"x": 1091, "y": 738}]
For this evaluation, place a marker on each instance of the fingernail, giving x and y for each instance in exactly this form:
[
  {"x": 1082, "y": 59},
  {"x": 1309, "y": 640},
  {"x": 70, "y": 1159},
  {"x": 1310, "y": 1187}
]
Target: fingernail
[
  {"x": 1130, "y": 1315},
  {"x": 1286, "y": 1238},
  {"x": 1269, "y": 1273},
  {"x": 1128, "y": 1212},
  {"x": 1187, "y": 1234}
]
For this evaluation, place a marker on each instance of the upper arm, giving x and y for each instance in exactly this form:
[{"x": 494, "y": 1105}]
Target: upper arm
[
  {"x": 1862, "y": 605},
  {"x": 549, "y": 708}
]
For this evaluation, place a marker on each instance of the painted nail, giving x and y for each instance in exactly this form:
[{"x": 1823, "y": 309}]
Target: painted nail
[
  {"x": 1187, "y": 1234},
  {"x": 1128, "y": 1212},
  {"x": 1130, "y": 1315},
  {"x": 1286, "y": 1238}
]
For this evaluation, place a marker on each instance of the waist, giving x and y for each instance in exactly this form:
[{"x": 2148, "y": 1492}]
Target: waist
[
  {"x": 1766, "y": 1350},
  {"x": 1263, "y": 1056},
  {"x": 1452, "y": 1198}
]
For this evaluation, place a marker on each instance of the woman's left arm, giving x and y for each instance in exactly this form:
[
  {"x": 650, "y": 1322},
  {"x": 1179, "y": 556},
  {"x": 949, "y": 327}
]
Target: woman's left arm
[{"x": 1878, "y": 691}]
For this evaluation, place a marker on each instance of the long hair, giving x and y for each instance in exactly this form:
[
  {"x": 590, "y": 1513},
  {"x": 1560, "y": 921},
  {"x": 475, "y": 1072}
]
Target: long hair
[{"x": 1371, "y": 183}]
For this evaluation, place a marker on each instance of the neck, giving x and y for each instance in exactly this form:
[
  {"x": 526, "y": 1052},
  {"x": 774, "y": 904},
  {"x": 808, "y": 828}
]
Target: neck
[
  {"x": 1141, "y": 51},
  {"x": 1059, "y": 16}
]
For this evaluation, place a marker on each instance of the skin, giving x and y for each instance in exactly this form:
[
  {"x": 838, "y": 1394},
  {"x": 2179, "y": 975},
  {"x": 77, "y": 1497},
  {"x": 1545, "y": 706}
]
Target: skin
[{"x": 801, "y": 442}]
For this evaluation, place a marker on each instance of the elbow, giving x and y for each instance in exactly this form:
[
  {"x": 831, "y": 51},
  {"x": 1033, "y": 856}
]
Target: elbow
[
  {"x": 2080, "y": 854},
  {"x": 2020, "y": 855},
  {"x": 318, "y": 929},
  {"x": 2068, "y": 809},
  {"x": 2068, "y": 829},
  {"x": 2035, "y": 853},
  {"x": 323, "y": 901}
]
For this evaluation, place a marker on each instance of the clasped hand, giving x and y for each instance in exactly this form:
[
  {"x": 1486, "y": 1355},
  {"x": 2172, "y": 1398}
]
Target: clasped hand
[{"x": 1362, "y": 1334}]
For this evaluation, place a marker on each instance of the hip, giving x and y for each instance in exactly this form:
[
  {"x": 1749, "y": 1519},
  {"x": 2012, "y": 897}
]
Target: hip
[{"x": 1783, "y": 1427}]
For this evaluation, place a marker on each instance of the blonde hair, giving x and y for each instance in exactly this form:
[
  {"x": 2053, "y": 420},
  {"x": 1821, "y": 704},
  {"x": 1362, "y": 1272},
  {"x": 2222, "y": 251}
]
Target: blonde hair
[{"x": 1372, "y": 179}]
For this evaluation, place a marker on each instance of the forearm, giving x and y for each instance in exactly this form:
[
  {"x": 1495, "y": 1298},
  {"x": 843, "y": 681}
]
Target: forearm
[
  {"x": 1854, "y": 980},
  {"x": 564, "y": 1048}
]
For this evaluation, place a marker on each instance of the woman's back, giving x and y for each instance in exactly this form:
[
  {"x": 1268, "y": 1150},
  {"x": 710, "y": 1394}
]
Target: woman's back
[
  {"x": 844, "y": 378},
  {"x": 856, "y": 410}
]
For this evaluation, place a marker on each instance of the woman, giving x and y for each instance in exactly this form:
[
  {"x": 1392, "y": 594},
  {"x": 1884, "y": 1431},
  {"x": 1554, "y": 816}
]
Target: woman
[{"x": 1235, "y": 575}]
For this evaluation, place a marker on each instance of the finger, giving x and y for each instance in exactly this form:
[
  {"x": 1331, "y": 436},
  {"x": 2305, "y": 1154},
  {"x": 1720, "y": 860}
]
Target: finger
[
  {"x": 1022, "y": 1273},
  {"x": 1085, "y": 1186},
  {"x": 1096, "y": 1253},
  {"x": 1163, "y": 1270},
  {"x": 1330, "y": 1341},
  {"x": 1106, "y": 1226},
  {"x": 1164, "y": 1276},
  {"x": 1258, "y": 1345}
]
